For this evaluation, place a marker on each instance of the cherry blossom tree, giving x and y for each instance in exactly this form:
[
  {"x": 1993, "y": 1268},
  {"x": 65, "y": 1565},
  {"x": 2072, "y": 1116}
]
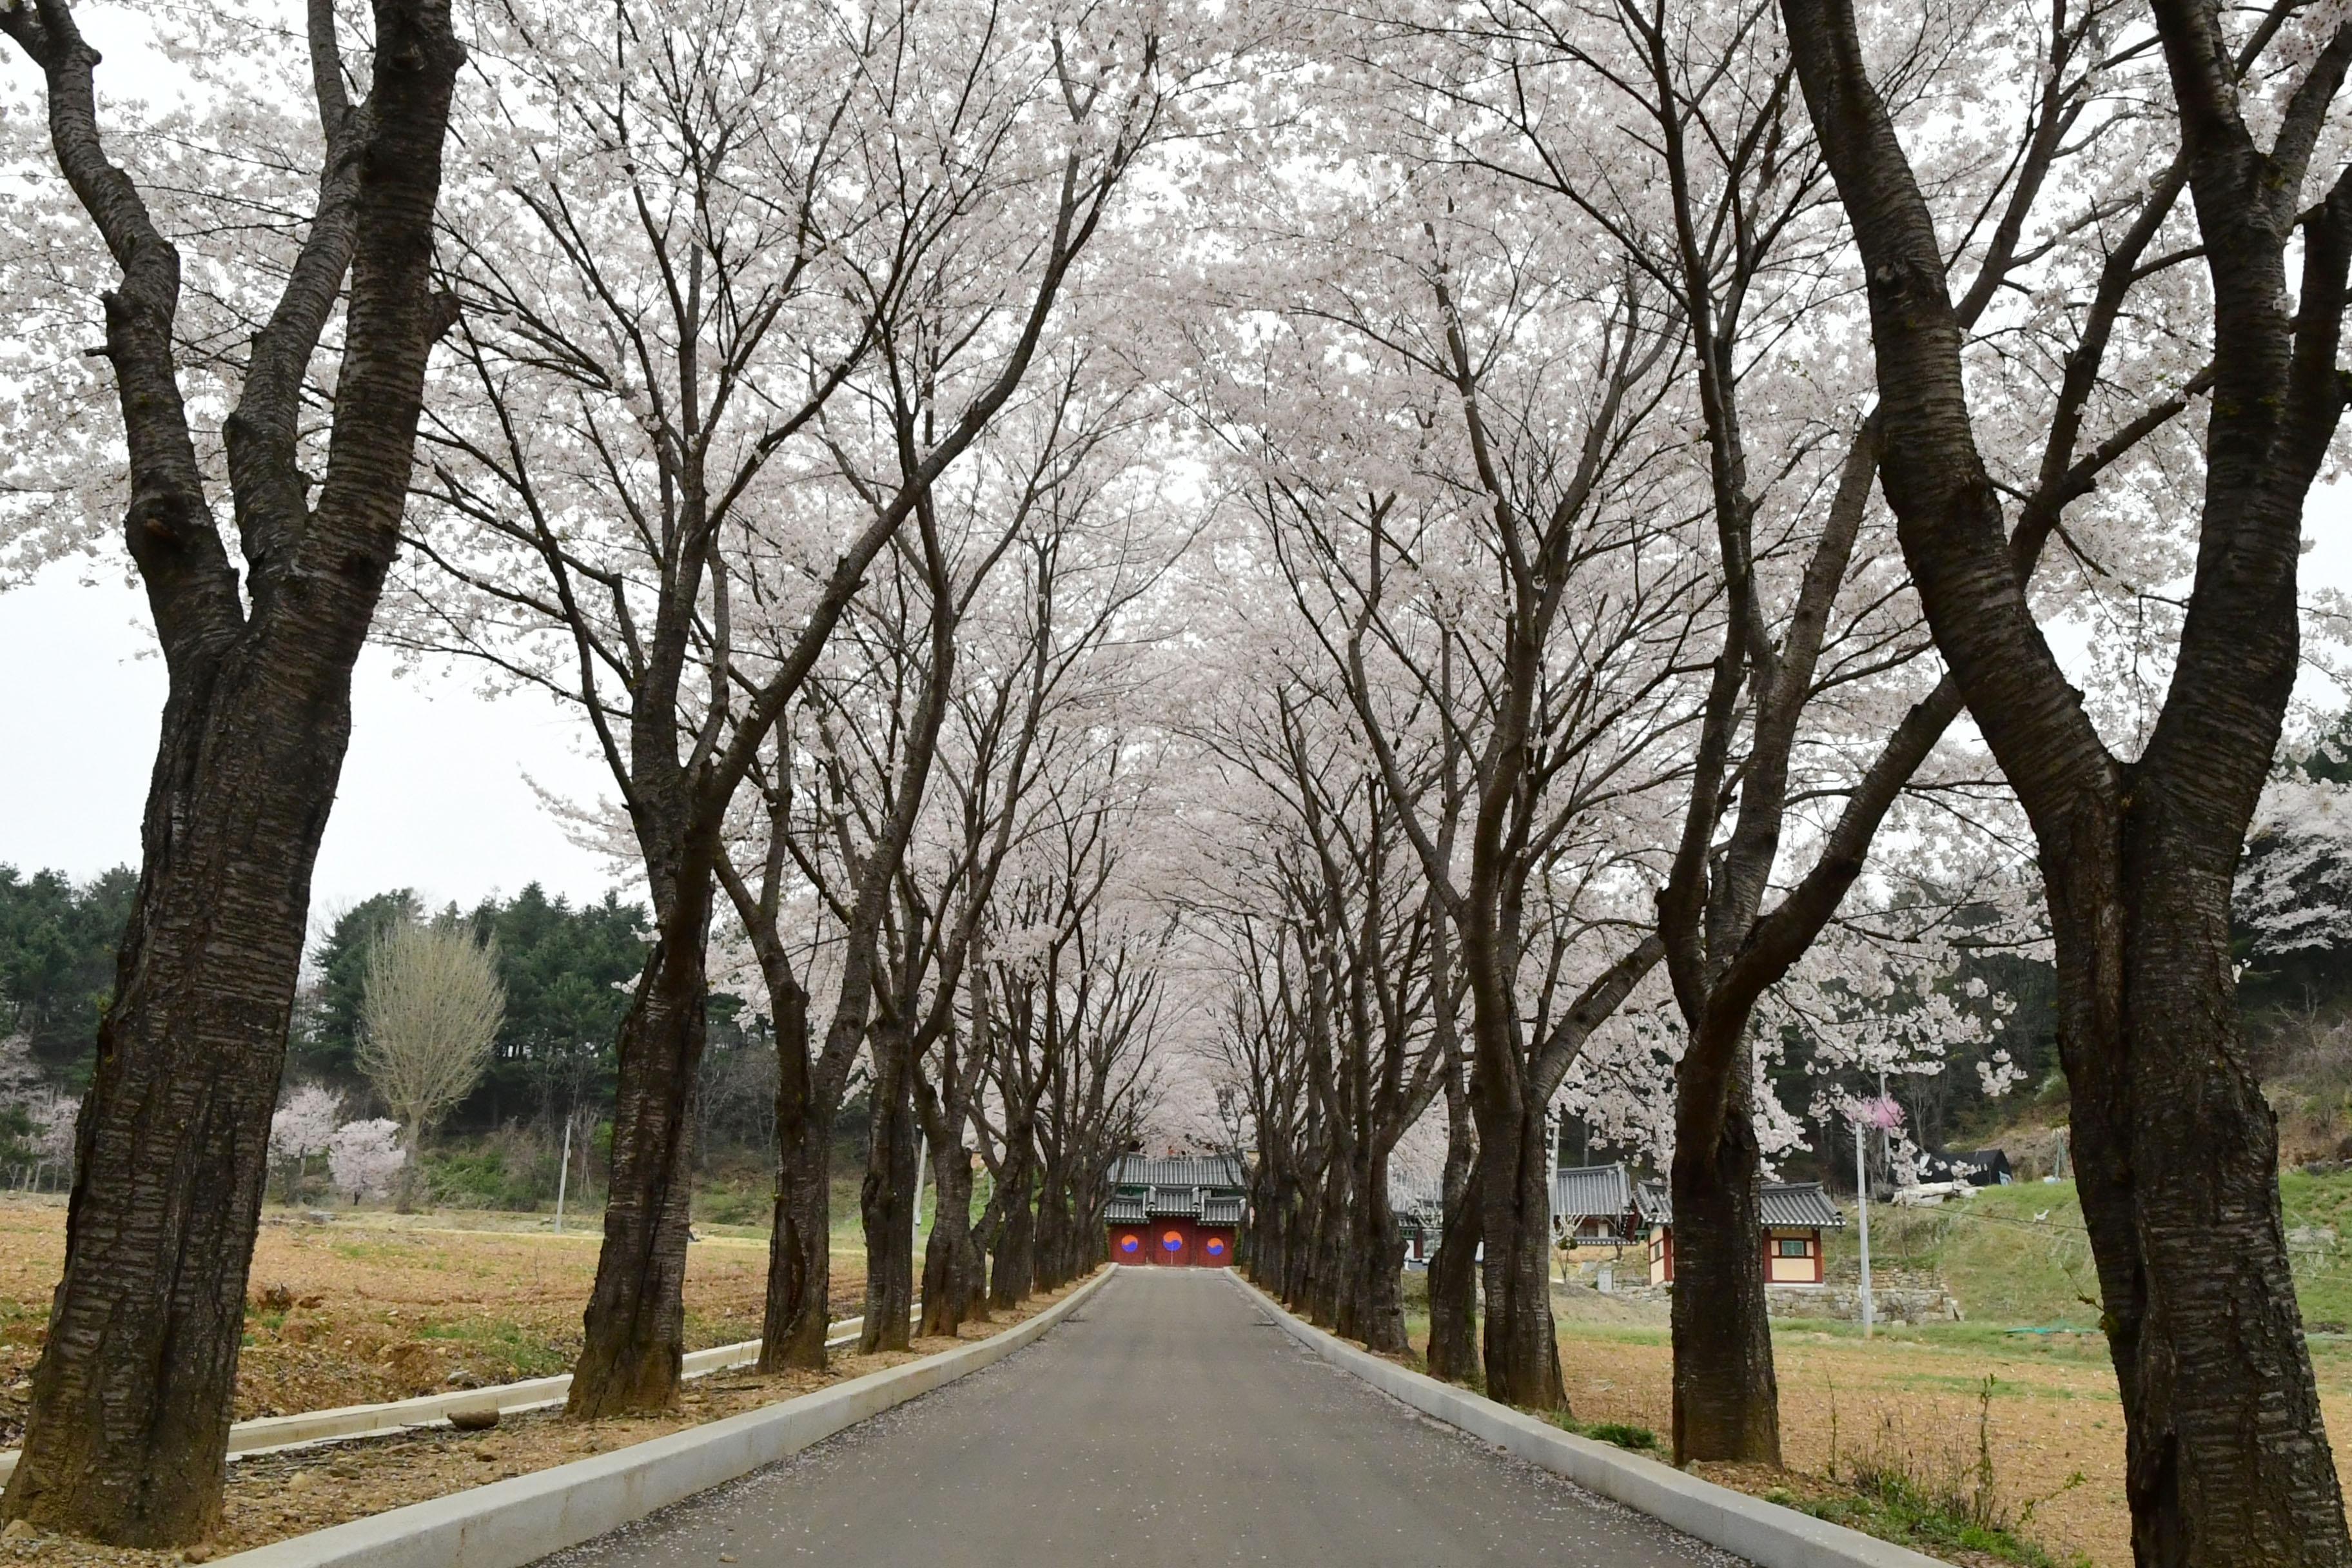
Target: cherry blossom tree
[
  {"x": 2293, "y": 889},
  {"x": 303, "y": 1127},
  {"x": 1820, "y": 694},
  {"x": 1463, "y": 522},
  {"x": 2140, "y": 832},
  {"x": 127, "y": 1426},
  {"x": 365, "y": 1159},
  {"x": 772, "y": 278}
]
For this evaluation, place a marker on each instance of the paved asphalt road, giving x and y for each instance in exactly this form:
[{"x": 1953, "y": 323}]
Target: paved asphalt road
[{"x": 1166, "y": 1422}]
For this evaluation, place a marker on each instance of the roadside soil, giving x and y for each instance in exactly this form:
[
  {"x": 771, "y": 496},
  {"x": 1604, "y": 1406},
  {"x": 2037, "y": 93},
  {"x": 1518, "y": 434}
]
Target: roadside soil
[
  {"x": 2052, "y": 1416},
  {"x": 293, "y": 1492},
  {"x": 367, "y": 1306}
]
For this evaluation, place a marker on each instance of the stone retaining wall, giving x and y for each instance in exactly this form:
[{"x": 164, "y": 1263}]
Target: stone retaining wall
[{"x": 1897, "y": 1296}]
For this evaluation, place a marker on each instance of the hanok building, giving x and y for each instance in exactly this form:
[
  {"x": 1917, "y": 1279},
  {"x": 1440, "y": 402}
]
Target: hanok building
[
  {"x": 1176, "y": 1213},
  {"x": 1420, "y": 1211},
  {"x": 1594, "y": 1205},
  {"x": 1794, "y": 1215}
]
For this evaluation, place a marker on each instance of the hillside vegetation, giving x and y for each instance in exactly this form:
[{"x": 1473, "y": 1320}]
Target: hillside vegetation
[{"x": 2018, "y": 1254}]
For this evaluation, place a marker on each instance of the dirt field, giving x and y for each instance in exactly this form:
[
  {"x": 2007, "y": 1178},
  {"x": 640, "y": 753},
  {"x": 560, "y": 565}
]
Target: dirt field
[
  {"x": 374, "y": 1306},
  {"x": 2053, "y": 1414},
  {"x": 293, "y": 1492}
]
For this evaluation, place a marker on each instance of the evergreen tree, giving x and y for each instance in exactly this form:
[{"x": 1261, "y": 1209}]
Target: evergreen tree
[{"x": 57, "y": 962}]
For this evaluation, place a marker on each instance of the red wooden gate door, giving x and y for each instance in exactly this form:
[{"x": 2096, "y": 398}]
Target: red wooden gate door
[
  {"x": 1171, "y": 1249},
  {"x": 1128, "y": 1248}
]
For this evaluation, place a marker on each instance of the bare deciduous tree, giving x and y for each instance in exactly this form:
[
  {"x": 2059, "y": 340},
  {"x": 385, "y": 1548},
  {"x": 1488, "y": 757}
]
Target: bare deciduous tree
[{"x": 432, "y": 1009}]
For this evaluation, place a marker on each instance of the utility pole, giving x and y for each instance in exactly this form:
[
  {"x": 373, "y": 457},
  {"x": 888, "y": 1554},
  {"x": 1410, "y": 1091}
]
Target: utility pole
[
  {"x": 564, "y": 1172},
  {"x": 922, "y": 1157},
  {"x": 1861, "y": 1208},
  {"x": 1559, "y": 1117}
]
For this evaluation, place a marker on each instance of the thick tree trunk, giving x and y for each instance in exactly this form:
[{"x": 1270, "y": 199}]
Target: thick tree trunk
[
  {"x": 886, "y": 1196},
  {"x": 2177, "y": 1159},
  {"x": 800, "y": 1262},
  {"x": 1380, "y": 1258},
  {"x": 1515, "y": 1222},
  {"x": 985, "y": 1230},
  {"x": 1014, "y": 1264},
  {"x": 1328, "y": 1271},
  {"x": 2227, "y": 1456},
  {"x": 1727, "y": 1395},
  {"x": 1454, "y": 1280},
  {"x": 1265, "y": 1249},
  {"x": 127, "y": 1424},
  {"x": 1053, "y": 1230},
  {"x": 1452, "y": 1274},
  {"x": 635, "y": 1319},
  {"x": 952, "y": 1267},
  {"x": 1299, "y": 1257}
]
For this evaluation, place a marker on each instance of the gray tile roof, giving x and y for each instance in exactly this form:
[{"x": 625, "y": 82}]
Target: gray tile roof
[
  {"x": 1174, "y": 1203},
  {"x": 1798, "y": 1203},
  {"x": 1794, "y": 1206},
  {"x": 1197, "y": 1188},
  {"x": 1416, "y": 1204},
  {"x": 1594, "y": 1192},
  {"x": 1199, "y": 1171}
]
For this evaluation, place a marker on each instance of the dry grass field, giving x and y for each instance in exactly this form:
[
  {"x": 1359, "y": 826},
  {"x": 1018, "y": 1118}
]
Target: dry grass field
[
  {"x": 1915, "y": 1395},
  {"x": 372, "y": 1306},
  {"x": 1914, "y": 1399}
]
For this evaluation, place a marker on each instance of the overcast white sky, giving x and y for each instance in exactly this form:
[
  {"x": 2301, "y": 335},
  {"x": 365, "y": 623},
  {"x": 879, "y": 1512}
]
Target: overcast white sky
[{"x": 436, "y": 791}]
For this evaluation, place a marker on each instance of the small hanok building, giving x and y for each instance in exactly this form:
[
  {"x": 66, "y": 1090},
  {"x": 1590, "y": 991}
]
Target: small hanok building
[
  {"x": 1593, "y": 1206},
  {"x": 1420, "y": 1210},
  {"x": 1794, "y": 1215},
  {"x": 1176, "y": 1213}
]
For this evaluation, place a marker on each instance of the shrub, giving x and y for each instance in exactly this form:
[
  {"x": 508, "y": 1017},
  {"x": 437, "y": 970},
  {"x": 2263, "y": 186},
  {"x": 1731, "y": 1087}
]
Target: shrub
[{"x": 1624, "y": 1436}]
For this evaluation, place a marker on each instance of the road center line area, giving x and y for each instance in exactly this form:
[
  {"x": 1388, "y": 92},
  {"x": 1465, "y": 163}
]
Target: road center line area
[{"x": 1168, "y": 1422}]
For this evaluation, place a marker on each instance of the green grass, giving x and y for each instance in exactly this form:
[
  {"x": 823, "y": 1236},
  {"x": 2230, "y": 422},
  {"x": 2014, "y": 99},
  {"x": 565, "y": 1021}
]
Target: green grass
[
  {"x": 1893, "y": 1508},
  {"x": 2010, "y": 1255},
  {"x": 2019, "y": 1255},
  {"x": 1624, "y": 1435},
  {"x": 510, "y": 1343},
  {"x": 1933, "y": 1490}
]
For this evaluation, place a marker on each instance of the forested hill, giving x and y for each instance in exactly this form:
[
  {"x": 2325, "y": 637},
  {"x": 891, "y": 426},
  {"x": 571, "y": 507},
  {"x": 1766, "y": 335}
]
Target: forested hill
[
  {"x": 566, "y": 969},
  {"x": 57, "y": 962}
]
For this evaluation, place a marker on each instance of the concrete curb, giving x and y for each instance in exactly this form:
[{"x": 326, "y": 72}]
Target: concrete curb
[
  {"x": 1762, "y": 1532},
  {"x": 521, "y": 1520},
  {"x": 268, "y": 1434}
]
